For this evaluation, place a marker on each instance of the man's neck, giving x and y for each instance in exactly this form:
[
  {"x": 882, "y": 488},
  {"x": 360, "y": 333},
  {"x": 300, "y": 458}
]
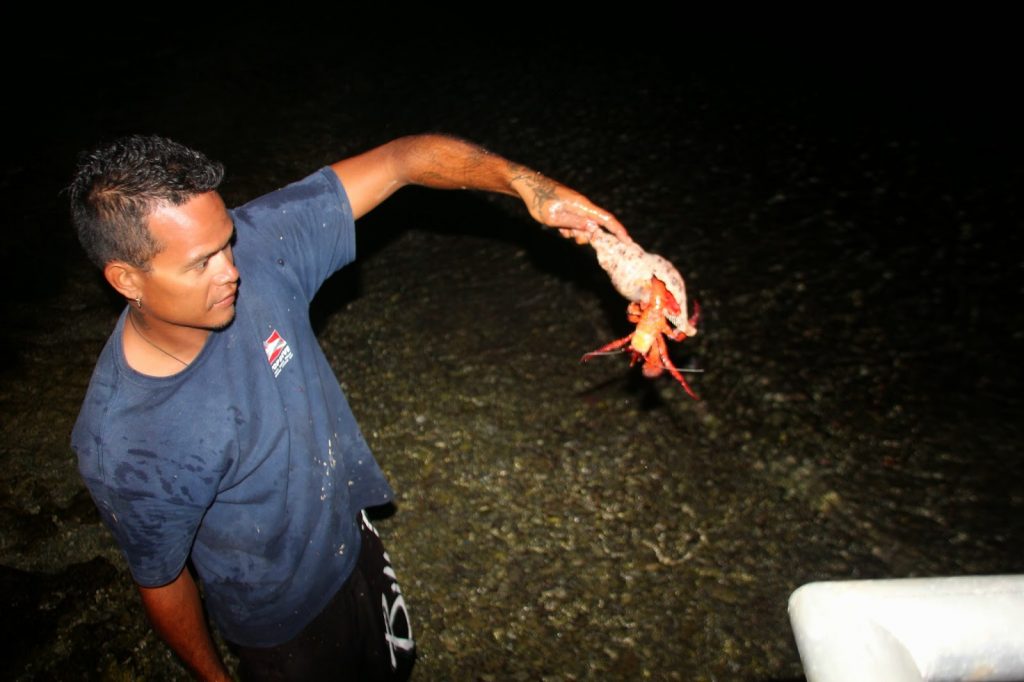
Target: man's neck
[{"x": 160, "y": 349}]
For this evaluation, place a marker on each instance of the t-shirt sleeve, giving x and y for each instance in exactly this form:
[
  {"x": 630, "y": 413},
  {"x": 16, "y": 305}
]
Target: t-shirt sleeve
[
  {"x": 305, "y": 229},
  {"x": 155, "y": 535},
  {"x": 154, "y": 491},
  {"x": 153, "y": 507}
]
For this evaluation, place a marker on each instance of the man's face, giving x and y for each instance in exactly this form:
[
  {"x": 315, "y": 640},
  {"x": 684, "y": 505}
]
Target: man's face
[{"x": 192, "y": 281}]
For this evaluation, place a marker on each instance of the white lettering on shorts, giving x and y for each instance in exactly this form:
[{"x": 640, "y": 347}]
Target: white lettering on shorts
[{"x": 396, "y": 617}]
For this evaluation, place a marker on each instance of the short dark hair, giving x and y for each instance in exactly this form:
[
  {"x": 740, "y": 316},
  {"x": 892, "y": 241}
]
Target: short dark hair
[{"x": 119, "y": 184}]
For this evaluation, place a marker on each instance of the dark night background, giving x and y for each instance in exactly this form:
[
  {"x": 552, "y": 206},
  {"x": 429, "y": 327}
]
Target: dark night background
[{"x": 846, "y": 211}]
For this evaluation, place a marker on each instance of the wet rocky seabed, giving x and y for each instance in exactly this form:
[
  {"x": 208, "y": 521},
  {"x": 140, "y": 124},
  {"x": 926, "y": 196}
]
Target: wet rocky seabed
[{"x": 558, "y": 521}]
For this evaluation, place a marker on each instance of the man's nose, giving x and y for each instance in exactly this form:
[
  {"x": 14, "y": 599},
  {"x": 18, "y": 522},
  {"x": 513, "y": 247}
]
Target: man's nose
[{"x": 228, "y": 272}]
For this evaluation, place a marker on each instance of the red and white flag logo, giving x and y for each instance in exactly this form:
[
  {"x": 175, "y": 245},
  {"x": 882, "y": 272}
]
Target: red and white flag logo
[{"x": 278, "y": 352}]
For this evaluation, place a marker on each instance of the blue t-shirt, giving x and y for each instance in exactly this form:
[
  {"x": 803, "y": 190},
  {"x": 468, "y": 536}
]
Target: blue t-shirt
[{"x": 249, "y": 460}]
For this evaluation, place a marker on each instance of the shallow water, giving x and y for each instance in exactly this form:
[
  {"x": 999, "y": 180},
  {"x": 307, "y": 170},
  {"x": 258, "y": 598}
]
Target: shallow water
[{"x": 856, "y": 254}]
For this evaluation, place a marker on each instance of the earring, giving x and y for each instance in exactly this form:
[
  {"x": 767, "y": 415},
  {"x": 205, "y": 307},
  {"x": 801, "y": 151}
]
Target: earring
[{"x": 138, "y": 302}]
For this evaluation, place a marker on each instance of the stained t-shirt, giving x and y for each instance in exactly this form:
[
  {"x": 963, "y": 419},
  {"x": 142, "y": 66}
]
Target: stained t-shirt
[{"x": 249, "y": 460}]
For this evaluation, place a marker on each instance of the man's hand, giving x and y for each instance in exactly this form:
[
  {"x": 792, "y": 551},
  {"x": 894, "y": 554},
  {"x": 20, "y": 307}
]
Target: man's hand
[
  {"x": 555, "y": 205},
  {"x": 445, "y": 162},
  {"x": 176, "y": 613}
]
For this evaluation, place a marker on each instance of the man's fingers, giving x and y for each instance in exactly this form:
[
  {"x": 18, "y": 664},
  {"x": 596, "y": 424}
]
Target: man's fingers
[
  {"x": 603, "y": 218},
  {"x": 577, "y": 217},
  {"x": 580, "y": 236},
  {"x": 617, "y": 229}
]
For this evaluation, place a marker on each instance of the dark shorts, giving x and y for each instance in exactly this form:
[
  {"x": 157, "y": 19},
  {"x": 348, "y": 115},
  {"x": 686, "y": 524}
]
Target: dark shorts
[{"x": 362, "y": 634}]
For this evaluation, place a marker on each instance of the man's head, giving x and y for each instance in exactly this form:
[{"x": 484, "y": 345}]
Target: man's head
[
  {"x": 147, "y": 213},
  {"x": 118, "y": 186}
]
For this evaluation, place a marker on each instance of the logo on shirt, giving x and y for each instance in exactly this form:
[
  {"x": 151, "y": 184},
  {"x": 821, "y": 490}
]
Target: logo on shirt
[{"x": 278, "y": 352}]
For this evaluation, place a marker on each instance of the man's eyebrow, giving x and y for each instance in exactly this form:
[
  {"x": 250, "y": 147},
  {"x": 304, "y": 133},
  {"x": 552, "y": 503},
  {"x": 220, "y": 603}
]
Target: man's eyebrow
[{"x": 203, "y": 256}]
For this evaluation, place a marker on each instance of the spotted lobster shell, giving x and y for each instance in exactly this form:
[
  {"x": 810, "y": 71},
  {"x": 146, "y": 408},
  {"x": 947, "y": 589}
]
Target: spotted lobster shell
[{"x": 630, "y": 269}]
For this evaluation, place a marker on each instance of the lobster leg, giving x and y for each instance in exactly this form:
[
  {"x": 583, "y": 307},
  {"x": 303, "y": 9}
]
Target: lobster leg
[
  {"x": 667, "y": 364},
  {"x": 614, "y": 345}
]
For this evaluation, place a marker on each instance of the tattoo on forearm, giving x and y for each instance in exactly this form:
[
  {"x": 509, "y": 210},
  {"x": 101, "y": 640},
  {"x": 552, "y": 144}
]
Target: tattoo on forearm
[{"x": 543, "y": 188}]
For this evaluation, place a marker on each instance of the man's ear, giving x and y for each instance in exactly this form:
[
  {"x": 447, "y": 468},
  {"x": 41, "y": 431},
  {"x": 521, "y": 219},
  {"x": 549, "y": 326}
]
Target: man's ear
[{"x": 125, "y": 278}]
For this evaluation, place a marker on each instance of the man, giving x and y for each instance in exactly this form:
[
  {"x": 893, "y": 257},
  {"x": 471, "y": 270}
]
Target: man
[{"x": 214, "y": 430}]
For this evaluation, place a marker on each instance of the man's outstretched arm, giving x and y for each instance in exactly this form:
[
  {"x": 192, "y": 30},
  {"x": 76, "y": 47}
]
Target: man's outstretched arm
[
  {"x": 176, "y": 613},
  {"x": 445, "y": 162}
]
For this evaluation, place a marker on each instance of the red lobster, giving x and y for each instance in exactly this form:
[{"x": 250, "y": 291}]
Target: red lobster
[{"x": 648, "y": 339}]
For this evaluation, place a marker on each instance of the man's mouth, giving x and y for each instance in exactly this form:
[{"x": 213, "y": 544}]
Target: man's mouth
[{"x": 227, "y": 300}]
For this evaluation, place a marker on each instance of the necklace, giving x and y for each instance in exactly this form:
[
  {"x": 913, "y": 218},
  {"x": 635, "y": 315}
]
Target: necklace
[{"x": 131, "y": 318}]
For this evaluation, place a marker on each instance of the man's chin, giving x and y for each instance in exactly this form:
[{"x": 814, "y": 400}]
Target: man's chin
[{"x": 227, "y": 323}]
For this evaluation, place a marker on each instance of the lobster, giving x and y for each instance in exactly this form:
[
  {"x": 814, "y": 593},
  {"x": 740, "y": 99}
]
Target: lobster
[{"x": 657, "y": 296}]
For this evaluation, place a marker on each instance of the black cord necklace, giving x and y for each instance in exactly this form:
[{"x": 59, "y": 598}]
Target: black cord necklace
[{"x": 131, "y": 318}]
